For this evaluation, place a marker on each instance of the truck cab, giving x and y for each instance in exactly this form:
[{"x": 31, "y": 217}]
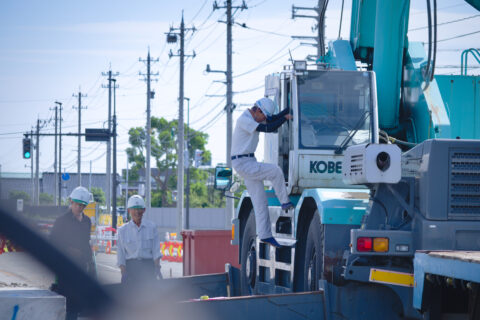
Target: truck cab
[{"x": 332, "y": 110}]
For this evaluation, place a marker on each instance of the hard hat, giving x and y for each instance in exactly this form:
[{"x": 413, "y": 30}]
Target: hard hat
[
  {"x": 136, "y": 202},
  {"x": 80, "y": 195},
  {"x": 266, "y": 105}
]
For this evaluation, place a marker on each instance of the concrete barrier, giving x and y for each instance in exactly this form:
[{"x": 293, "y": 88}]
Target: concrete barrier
[{"x": 31, "y": 304}]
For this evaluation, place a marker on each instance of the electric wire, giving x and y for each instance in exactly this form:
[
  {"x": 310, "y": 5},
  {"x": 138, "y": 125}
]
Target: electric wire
[
  {"x": 446, "y": 22},
  {"x": 447, "y": 7},
  {"x": 243, "y": 25},
  {"x": 459, "y": 36},
  {"x": 268, "y": 61}
]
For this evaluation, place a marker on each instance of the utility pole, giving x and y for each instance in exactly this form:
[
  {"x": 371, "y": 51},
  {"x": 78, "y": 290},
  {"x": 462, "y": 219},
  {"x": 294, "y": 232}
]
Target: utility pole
[
  {"x": 37, "y": 161},
  {"x": 114, "y": 186},
  {"x": 180, "y": 132},
  {"x": 320, "y": 27},
  {"x": 229, "y": 107},
  {"x": 187, "y": 163},
  {"x": 109, "y": 142},
  {"x": 79, "y": 158},
  {"x": 55, "y": 156},
  {"x": 59, "y": 104},
  {"x": 148, "y": 142}
]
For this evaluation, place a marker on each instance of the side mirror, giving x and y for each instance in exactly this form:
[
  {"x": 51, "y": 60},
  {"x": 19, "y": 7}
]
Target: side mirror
[{"x": 223, "y": 178}]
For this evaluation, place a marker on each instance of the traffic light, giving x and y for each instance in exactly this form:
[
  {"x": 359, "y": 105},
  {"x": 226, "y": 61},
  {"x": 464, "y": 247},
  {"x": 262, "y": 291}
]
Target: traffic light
[{"x": 27, "y": 144}]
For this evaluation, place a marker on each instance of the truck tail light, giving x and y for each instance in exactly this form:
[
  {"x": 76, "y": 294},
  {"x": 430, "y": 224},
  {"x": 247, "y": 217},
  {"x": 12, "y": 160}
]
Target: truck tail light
[
  {"x": 364, "y": 244},
  {"x": 233, "y": 232},
  {"x": 380, "y": 244}
]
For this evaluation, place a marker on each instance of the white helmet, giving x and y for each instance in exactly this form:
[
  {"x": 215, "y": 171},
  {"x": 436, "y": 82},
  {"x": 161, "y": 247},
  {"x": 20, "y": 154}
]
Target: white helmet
[
  {"x": 136, "y": 202},
  {"x": 266, "y": 105},
  {"x": 80, "y": 195}
]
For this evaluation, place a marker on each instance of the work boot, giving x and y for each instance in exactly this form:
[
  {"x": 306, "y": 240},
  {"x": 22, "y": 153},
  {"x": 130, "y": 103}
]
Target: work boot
[
  {"x": 287, "y": 206},
  {"x": 271, "y": 241}
]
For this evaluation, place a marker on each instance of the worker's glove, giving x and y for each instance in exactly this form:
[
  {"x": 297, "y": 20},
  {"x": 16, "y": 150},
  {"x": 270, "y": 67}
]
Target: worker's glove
[{"x": 158, "y": 272}]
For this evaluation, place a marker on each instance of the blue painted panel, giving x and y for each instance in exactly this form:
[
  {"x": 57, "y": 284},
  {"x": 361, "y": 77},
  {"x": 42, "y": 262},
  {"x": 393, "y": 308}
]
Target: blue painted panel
[
  {"x": 425, "y": 263},
  {"x": 273, "y": 200},
  {"x": 337, "y": 206},
  {"x": 429, "y": 116},
  {"x": 340, "y": 55},
  {"x": 391, "y": 22},
  {"x": 461, "y": 95},
  {"x": 362, "y": 28}
]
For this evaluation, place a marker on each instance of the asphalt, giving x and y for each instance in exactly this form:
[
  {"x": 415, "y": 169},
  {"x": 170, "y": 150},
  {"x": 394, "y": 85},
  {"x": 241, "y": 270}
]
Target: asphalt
[{"x": 19, "y": 269}]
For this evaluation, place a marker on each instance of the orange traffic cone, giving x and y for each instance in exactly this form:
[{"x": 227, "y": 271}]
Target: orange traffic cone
[{"x": 109, "y": 247}]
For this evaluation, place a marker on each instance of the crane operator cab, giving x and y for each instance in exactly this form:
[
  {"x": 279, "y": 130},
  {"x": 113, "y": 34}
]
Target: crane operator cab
[{"x": 332, "y": 110}]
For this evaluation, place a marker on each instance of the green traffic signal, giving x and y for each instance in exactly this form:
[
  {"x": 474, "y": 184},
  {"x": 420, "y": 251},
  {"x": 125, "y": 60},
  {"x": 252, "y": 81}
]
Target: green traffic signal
[{"x": 26, "y": 148}]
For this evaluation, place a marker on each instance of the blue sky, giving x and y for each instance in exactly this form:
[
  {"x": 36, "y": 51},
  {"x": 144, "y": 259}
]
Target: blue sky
[{"x": 49, "y": 51}]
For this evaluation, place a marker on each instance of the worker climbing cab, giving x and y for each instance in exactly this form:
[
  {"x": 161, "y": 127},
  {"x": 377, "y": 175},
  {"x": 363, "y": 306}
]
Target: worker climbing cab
[{"x": 332, "y": 109}]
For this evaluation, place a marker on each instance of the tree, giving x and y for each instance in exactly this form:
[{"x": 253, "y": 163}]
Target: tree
[
  {"x": 15, "y": 194},
  {"x": 98, "y": 195},
  {"x": 163, "y": 149},
  {"x": 45, "y": 198}
]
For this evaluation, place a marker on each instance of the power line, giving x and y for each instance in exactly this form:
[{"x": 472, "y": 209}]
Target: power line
[
  {"x": 205, "y": 115},
  {"x": 447, "y": 7},
  {"x": 199, "y": 10},
  {"x": 256, "y": 5},
  {"x": 447, "y": 22},
  {"x": 459, "y": 36},
  {"x": 243, "y": 25},
  {"x": 251, "y": 89},
  {"x": 269, "y": 60}
]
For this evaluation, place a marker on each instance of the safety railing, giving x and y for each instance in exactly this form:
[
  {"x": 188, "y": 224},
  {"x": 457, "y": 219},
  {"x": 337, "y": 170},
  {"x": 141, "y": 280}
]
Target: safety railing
[{"x": 464, "y": 63}]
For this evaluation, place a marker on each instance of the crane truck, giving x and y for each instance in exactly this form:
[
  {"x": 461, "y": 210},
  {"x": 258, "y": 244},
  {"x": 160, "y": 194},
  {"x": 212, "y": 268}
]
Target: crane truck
[{"x": 382, "y": 162}]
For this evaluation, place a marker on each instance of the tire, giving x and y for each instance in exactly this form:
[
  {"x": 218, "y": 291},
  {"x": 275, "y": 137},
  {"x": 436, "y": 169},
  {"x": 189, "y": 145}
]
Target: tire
[
  {"x": 248, "y": 257},
  {"x": 309, "y": 264}
]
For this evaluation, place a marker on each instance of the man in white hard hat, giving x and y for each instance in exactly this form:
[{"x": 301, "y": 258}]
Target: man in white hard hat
[
  {"x": 71, "y": 232},
  {"x": 259, "y": 118},
  {"x": 138, "y": 246}
]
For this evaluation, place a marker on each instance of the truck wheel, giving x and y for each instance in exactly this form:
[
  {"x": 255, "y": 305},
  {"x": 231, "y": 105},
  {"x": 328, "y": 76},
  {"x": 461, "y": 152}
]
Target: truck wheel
[
  {"x": 248, "y": 257},
  {"x": 310, "y": 262}
]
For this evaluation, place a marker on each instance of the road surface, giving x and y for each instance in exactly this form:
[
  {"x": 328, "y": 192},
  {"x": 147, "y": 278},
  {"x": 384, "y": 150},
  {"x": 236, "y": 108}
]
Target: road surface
[{"x": 19, "y": 269}]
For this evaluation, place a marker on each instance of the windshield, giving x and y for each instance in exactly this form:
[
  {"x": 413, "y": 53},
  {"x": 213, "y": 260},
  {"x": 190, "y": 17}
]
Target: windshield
[{"x": 332, "y": 105}]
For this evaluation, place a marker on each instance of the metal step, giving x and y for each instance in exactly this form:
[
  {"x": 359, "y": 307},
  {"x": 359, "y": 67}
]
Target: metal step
[{"x": 286, "y": 242}]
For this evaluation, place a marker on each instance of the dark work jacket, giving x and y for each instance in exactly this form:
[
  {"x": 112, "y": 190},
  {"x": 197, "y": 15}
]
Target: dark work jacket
[{"x": 73, "y": 237}]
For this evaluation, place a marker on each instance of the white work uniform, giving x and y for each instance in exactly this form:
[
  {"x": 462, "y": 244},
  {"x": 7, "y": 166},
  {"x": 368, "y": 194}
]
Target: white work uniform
[
  {"x": 245, "y": 141},
  {"x": 138, "y": 242}
]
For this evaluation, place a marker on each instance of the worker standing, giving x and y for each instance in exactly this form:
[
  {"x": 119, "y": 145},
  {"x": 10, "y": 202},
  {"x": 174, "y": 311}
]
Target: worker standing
[
  {"x": 71, "y": 232},
  {"x": 259, "y": 118},
  {"x": 138, "y": 245}
]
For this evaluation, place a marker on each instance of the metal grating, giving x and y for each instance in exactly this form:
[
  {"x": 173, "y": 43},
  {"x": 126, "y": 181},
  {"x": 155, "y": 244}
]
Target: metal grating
[
  {"x": 356, "y": 165},
  {"x": 464, "y": 185}
]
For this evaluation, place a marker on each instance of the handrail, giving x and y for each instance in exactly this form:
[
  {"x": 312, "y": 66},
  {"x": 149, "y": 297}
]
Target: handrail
[{"x": 464, "y": 59}]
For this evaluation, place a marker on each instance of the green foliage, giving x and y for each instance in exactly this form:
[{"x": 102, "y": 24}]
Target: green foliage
[
  {"x": 163, "y": 142},
  {"x": 45, "y": 198},
  {"x": 14, "y": 194},
  {"x": 98, "y": 195}
]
